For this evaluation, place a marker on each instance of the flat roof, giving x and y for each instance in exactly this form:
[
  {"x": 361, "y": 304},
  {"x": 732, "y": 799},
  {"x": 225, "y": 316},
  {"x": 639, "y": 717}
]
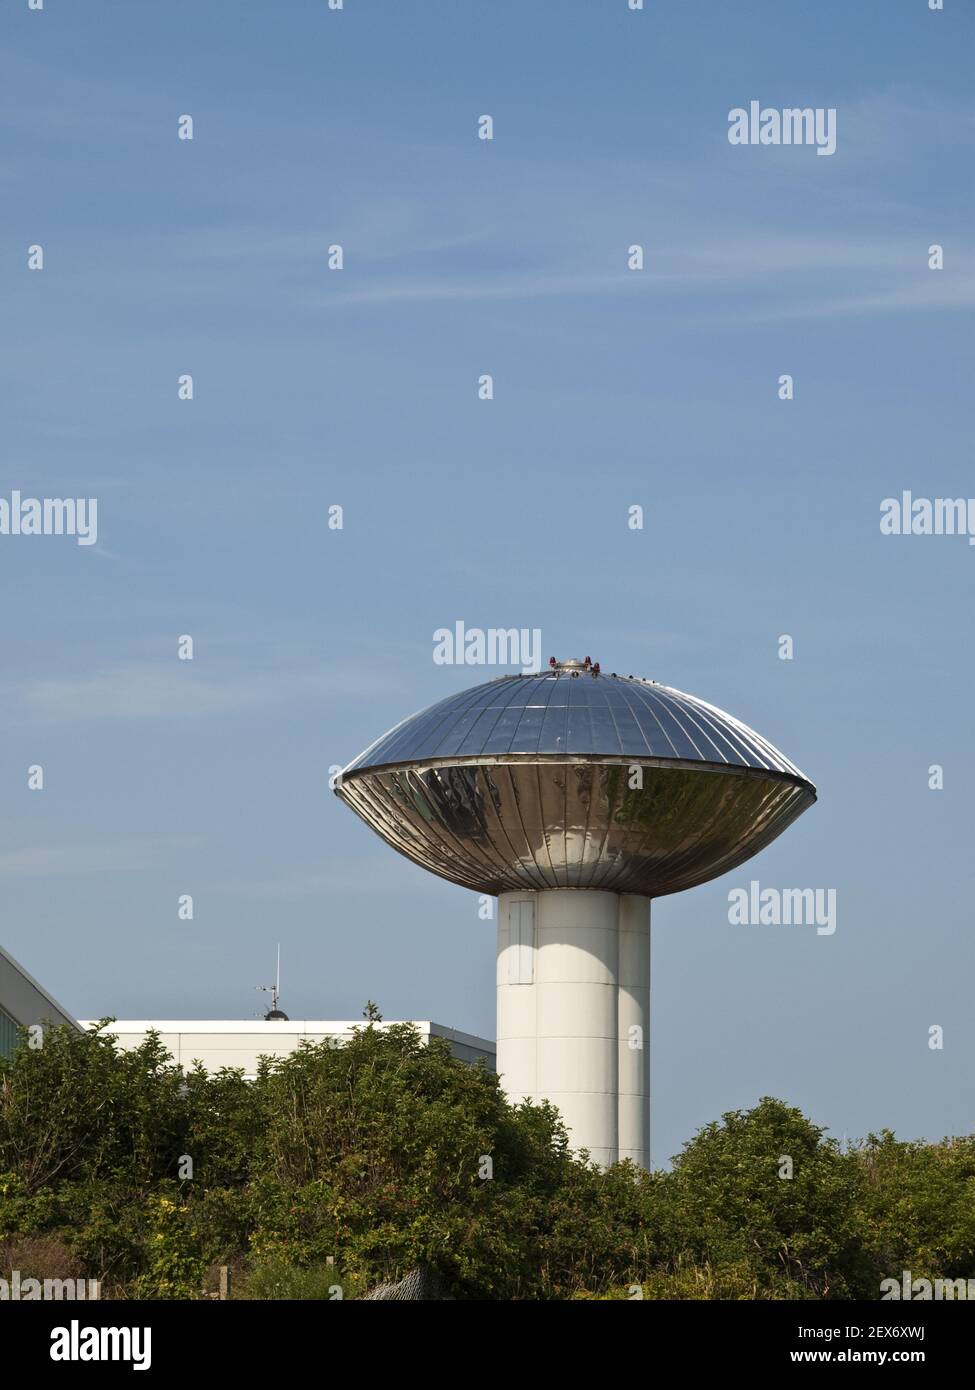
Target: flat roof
[{"x": 281, "y": 1027}]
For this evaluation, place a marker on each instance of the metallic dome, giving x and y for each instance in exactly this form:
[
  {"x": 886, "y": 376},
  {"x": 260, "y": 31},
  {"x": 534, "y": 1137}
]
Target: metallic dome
[{"x": 534, "y": 782}]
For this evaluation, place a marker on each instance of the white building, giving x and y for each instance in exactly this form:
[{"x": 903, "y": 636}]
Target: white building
[
  {"x": 214, "y": 1042},
  {"x": 239, "y": 1042}
]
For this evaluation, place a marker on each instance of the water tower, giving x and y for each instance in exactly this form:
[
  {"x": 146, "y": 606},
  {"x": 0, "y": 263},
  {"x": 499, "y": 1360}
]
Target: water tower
[{"x": 575, "y": 797}]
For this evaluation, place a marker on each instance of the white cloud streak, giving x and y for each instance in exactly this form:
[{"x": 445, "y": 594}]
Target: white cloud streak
[{"x": 178, "y": 691}]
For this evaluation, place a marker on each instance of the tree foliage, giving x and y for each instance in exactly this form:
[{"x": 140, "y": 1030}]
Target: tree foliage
[{"x": 352, "y": 1165}]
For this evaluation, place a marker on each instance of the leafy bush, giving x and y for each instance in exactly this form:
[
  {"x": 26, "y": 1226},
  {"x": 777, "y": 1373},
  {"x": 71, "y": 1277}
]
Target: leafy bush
[
  {"x": 386, "y": 1155},
  {"x": 279, "y": 1278}
]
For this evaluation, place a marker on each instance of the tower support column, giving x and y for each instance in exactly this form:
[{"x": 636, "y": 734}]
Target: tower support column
[
  {"x": 634, "y": 1029},
  {"x": 574, "y": 1013}
]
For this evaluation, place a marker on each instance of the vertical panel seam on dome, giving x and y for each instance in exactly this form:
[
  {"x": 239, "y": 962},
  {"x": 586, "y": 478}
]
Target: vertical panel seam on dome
[
  {"x": 593, "y": 773},
  {"x": 431, "y": 735},
  {"x": 604, "y": 775},
  {"x": 565, "y": 744},
  {"x": 647, "y": 707},
  {"x": 485, "y": 773},
  {"x": 484, "y": 708},
  {"x": 604, "y": 693},
  {"x": 386, "y": 809},
  {"x": 656, "y": 694},
  {"x": 377, "y": 743},
  {"x": 550, "y": 708},
  {"x": 692, "y": 845},
  {"x": 780, "y": 811},
  {"x": 743, "y": 749},
  {"x": 542, "y": 681},
  {"x": 745, "y": 736},
  {"x": 690, "y": 851},
  {"x": 771, "y": 758},
  {"x": 575, "y": 708},
  {"x": 521, "y": 821},
  {"x": 483, "y": 750},
  {"x": 701, "y": 722},
  {"x": 452, "y": 707},
  {"x": 634, "y": 715},
  {"x": 465, "y": 846},
  {"x": 778, "y": 761},
  {"x": 624, "y": 688},
  {"x": 542, "y": 825}
]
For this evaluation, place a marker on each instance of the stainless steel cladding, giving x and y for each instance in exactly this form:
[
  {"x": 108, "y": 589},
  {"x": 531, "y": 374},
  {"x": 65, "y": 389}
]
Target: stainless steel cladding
[{"x": 573, "y": 779}]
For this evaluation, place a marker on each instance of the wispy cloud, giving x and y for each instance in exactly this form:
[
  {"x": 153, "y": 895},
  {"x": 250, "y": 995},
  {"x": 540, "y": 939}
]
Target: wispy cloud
[
  {"x": 144, "y": 690},
  {"x": 120, "y": 856},
  {"x": 934, "y": 291},
  {"x": 807, "y": 277}
]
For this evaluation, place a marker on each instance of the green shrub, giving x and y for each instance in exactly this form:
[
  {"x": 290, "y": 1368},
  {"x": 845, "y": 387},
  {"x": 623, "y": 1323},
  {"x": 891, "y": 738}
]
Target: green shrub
[
  {"x": 387, "y": 1155},
  {"x": 278, "y": 1277}
]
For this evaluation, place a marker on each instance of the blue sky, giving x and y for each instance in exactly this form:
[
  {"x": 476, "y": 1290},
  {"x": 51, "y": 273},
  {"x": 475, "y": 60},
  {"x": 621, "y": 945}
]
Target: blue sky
[{"x": 358, "y": 387}]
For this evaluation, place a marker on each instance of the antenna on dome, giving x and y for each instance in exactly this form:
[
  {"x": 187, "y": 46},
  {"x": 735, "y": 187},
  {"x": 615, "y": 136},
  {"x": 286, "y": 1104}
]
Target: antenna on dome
[{"x": 274, "y": 1013}]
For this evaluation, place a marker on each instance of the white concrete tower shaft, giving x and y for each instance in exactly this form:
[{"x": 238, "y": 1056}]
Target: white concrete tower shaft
[{"x": 574, "y": 1013}]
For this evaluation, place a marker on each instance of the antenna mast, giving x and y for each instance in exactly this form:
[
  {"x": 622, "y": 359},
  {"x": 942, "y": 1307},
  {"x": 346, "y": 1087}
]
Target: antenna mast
[{"x": 275, "y": 992}]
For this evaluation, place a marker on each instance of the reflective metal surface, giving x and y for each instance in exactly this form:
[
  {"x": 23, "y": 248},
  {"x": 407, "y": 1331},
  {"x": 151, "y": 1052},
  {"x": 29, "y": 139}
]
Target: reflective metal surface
[
  {"x": 526, "y": 782},
  {"x": 576, "y": 713}
]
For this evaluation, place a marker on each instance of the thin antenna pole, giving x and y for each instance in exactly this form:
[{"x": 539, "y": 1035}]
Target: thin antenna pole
[{"x": 275, "y": 989}]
